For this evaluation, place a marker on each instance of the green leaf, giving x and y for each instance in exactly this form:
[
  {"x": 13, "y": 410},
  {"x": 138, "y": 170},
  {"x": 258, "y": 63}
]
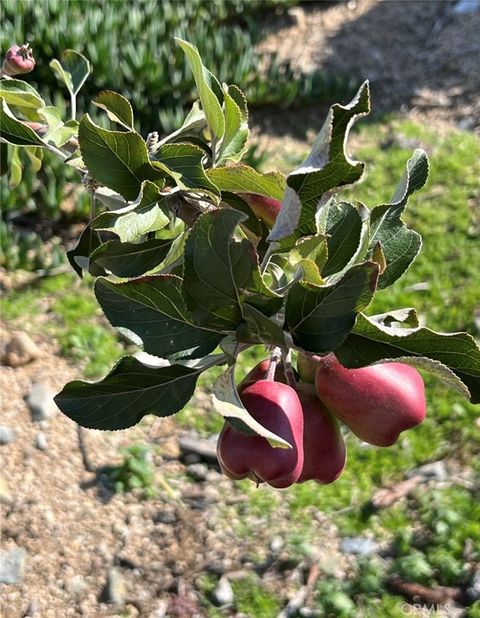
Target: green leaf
[
  {"x": 203, "y": 80},
  {"x": 236, "y": 127},
  {"x": 15, "y": 132},
  {"x": 125, "y": 259},
  {"x": 118, "y": 108},
  {"x": 117, "y": 159},
  {"x": 321, "y": 317},
  {"x": 221, "y": 273},
  {"x": 371, "y": 342},
  {"x": 194, "y": 123},
  {"x": 154, "y": 309},
  {"x": 16, "y": 168},
  {"x": 326, "y": 168},
  {"x": 244, "y": 179},
  {"x": 72, "y": 71},
  {"x": 405, "y": 317},
  {"x": 58, "y": 133},
  {"x": 399, "y": 244},
  {"x": 35, "y": 154},
  {"x": 227, "y": 402},
  {"x": 79, "y": 256},
  {"x": 129, "y": 392},
  {"x": 258, "y": 328},
  {"x": 183, "y": 162},
  {"x": 22, "y": 97},
  {"x": 347, "y": 226},
  {"x": 131, "y": 226}
]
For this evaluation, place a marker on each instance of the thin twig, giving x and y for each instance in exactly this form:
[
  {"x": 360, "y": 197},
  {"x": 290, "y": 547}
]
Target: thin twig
[{"x": 288, "y": 369}]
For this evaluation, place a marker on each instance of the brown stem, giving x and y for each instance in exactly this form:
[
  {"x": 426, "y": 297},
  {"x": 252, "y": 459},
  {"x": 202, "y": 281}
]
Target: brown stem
[{"x": 274, "y": 359}]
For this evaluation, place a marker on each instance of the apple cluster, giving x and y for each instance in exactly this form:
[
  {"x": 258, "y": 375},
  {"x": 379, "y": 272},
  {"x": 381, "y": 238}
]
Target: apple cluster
[{"x": 376, "y": 403}]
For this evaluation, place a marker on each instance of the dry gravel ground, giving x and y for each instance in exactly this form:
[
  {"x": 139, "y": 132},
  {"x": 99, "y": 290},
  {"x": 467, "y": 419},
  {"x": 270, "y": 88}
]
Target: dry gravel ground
[
  {"x": 74, "y": 530},
  {"x": 420, "y": 56}
]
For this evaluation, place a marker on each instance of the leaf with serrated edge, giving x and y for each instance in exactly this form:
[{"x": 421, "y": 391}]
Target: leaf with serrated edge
[
  {"x": 400, "y": 245},
  {"x": 371, "y": 342},
  {"x": 220, "y": 273},
  {"x": 129, "y": 392},
  {"x": 118, "y": 108},
  {"x": 227, "y": 402},
  {"x": 130, "y": 259},
  {"x": 244, "y": 179},
  {"x": 117, "y": 159},
  {"x": 259, "y": 329},
  {"x": 236, "y": 128},
  {"x": 210, "y": 103},
  {"x": 14, "y": 131},
  {"x": 407, "y": 317},
  {"x": 183, "y": 162},
  {"x": 154, "y": 309},
  {"x": 195, "y": 122},
  {"x": 327, "y": 167},
  {"x": 321, "y": 317}
]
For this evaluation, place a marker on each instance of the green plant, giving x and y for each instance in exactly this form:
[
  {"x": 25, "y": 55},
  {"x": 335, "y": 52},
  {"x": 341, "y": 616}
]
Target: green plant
[
  {"x": 135, "y": 472},
  {"x": 180, "y": 259}
]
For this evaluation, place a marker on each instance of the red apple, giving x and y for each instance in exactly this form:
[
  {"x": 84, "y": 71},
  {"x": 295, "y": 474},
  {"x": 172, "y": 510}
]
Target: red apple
[
  {"x": 376, "y": 403},
  {"x": 323, "y": 446},
  {"x": 265, "y": 208},
  {"x": 275, "y": 406}
]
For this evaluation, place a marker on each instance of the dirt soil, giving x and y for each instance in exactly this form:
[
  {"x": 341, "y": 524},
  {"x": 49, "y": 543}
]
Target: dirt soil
[{"x": 421, "y": 57}]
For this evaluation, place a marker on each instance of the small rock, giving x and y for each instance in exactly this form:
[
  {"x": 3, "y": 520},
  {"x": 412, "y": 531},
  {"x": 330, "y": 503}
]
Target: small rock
[
  {"x": 197, "y": 471},
  {"x": 165, "y": 517},
  {"x": 12, "y": 564},
  {"x": 464, "y": 7},
  {"x": 276, "y": 544},
  {"x": 223, "y": 593},
  {"x": 41, "y": 441},
  {"x": 358, "y": 545},
  {"x": 192, "y": 459},
  {"x": 76, "y": 585},
  {"x": 7, "y": 435},
  {"x": 115, "y": 589},
  {"x": 435, "y": 471},
  {"x": 474, "y": 590},
  {"x": 41, "y": 403},
  {"x": 20, "y": 350},
  {"x": 5, "y": 495}
]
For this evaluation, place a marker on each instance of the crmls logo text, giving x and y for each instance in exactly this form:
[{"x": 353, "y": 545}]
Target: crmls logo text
[{"x": 418, "y": 609}]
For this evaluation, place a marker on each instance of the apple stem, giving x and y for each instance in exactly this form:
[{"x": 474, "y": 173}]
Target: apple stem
[
  {"x": 287, "y": 367},
  {"x": 274, "y": 358}
]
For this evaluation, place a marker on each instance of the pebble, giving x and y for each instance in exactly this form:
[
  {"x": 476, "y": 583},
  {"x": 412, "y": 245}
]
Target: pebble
[
  {"x": 41, "y": 441},
  {"x": 76, "y": 585},
  {"x": 434, "y": 471},
  {"x": 358, "y": 545},
  {"x": 115, "y": 589},
  {"x": 41, "y": 403},
  {"x": 12, "y": 564},
  {"x": 7, "y": 435},
  {"x": 5, "y": 495},
  {"x": 474, "y": 590},
  {"x": 223, "y": 593},
  {"x": 198, "y": 471},
  {"x": 20, "y": 350}
]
